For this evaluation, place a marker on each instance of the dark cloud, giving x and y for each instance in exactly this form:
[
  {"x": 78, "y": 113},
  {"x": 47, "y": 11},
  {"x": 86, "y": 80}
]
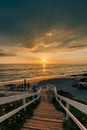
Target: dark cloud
[
  {"x": 75, "y": 47},
  {"x": 25, "y": 21},
  {"x": 79, "y": 46},
  {"x": 3, "y": 54}
]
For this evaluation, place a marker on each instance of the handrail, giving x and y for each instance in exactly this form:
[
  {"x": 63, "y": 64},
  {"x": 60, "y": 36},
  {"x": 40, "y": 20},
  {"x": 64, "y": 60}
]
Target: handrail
[
  {"x": 4, "y": 100},
  {"x": 9, "y": 99},
  {"x": 77, "y": 105}
]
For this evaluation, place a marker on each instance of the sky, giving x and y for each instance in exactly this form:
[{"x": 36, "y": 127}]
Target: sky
[{"x": 33, "y": 30}]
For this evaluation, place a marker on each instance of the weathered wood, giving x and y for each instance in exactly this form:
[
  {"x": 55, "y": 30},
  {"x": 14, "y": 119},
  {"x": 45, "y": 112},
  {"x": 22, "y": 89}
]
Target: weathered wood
[{"x": 46, "y": 117}]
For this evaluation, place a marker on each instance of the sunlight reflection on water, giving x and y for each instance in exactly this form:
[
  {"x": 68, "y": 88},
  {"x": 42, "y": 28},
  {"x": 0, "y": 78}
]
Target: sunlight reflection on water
[{"x": 18, "y": 71}]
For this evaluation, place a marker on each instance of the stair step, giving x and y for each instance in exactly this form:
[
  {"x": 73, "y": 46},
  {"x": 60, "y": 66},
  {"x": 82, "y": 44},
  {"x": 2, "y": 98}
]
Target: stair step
[
  {"x": 44, "y": 123},
  {"x": 26, "y": 127},
  {"x": 49, "y": 116},
  {"x": 47, "y": 119},
  {"x": 43, "y": 126},
  {"x": 47, "y": 112},
  {"x": 39, "y": 128}
]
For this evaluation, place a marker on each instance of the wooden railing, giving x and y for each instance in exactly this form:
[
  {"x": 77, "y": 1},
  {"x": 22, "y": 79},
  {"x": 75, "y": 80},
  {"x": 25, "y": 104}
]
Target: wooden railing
[
  {"x": 5, "y": 100},
  {"x": 77, "y": 105}
]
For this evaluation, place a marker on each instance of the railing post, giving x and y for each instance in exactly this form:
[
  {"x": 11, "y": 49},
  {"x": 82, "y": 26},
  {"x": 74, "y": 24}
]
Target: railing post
[
  {"x": 61, "y": 102},
  {"x": 67, "y": 106},
  {"x": 24, "y": 101},
  {"x": 47, "y": 88}
]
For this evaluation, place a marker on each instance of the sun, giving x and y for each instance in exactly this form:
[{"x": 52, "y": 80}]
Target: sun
[{"x": 44, "y": 60}]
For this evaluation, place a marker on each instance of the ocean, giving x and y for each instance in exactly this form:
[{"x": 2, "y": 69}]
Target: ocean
[{"x": 10, "y": 72}]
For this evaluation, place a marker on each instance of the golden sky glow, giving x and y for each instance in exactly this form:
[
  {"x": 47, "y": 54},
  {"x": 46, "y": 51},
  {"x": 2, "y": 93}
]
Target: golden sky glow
[{"x": 59, "y": 56}]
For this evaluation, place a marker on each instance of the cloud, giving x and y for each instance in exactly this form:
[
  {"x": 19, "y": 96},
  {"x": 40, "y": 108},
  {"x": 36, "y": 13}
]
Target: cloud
[
  {"x": 59, "y": 40},
  {"x": 79, "y": 46},
  {"x": 4, "y": 54},
  {"x": 49, "y": 34},
  {"x": 43, "y": 26}
]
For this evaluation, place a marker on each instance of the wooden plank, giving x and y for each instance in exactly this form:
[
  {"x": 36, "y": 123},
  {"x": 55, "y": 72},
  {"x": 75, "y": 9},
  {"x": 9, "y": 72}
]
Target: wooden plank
[
  {"x": 40, "y": 125},
  {"x": 49, "y": 115},
  {"x": 47, "y": 119},
  {"x": 36, "y": 127},
  {"x": 44, "y": 123},
  {"x": 46, "y": 112}
]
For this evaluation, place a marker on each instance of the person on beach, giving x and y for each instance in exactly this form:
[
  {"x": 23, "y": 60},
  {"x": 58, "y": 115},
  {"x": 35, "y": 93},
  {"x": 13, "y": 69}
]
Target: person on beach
[
  {"x": 24, "y": 84},
  {"x": 34, "y": 88},
  {"x": 28, "y": 85}
]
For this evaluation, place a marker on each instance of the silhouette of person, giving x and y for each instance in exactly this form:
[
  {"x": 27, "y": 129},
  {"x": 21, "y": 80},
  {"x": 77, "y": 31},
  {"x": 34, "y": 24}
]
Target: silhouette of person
[
  {"x": 24, "y": 84},
  {"x": 28, "y": 85}
]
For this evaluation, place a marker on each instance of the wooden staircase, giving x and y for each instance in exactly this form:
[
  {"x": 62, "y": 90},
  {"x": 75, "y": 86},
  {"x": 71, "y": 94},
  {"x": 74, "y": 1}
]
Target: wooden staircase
[{"x": 46, "y": 117}]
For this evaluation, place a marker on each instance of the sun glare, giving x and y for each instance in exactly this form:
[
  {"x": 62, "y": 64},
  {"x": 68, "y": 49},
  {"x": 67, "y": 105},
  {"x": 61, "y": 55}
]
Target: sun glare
[{"x": 44, "y": 60}]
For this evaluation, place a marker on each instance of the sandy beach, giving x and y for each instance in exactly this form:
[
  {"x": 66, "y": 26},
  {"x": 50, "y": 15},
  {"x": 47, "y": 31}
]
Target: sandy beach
[{"x": 35, "y": 80}]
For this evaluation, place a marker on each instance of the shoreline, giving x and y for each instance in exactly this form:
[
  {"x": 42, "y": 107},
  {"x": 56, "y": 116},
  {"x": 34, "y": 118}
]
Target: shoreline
[
  {"x": 34, "y": 79},
  {"x": 40, "y": 78}
]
